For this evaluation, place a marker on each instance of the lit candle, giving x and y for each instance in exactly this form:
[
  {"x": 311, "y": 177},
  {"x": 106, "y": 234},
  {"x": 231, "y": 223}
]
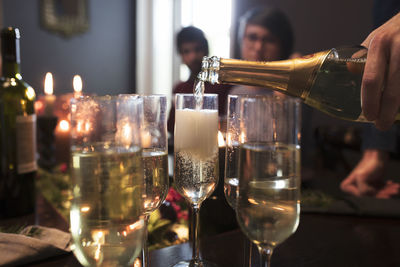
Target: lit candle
[
  {"x": 77, "y": 84},
  {"x": 49, "y": 97},
  {"x": 62, "y": 141},
  {"x": 64, "y": 126}
]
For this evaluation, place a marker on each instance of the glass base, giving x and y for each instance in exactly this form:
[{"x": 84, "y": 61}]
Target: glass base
[{"x": 193, "y": 263}]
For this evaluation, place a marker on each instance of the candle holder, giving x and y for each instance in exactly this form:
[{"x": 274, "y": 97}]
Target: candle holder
[{"x": 45, "y": 141}]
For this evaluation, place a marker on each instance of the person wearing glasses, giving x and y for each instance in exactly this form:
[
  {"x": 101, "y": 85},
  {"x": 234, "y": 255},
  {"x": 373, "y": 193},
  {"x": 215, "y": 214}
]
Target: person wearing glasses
[{"x": 264, "y": 34}]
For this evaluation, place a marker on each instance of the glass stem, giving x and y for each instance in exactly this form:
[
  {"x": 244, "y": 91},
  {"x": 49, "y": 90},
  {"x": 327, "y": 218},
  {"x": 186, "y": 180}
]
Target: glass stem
[
  {"x": 195, "y": 228},
  {"x": 145, "y": 252},
  {"x": 247, "y": 252},
  {"x": 265, "y": 256}
]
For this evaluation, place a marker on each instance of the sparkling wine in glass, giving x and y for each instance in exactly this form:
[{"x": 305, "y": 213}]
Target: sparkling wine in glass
[
  {"x": 155, "y": 158},
  {"x": 196, "y": 157},
  {"x": 268, "y": 204},
  {"x": 232, "y": 149},
  {"x": 106, "y": 215}
]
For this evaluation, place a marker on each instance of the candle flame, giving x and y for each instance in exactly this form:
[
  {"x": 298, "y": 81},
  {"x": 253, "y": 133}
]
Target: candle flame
[
  {"x": 77, "y": 84},
  {"x": 146, "y": 139},
  {"x": 221, "y": 141},
  {"x": 48, "y": 84},
  {"x": 64, "y": 125},
  {"x": 126, "y": 134}
]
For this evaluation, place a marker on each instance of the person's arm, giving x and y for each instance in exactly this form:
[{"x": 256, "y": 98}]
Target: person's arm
[{"x": 380, "y": 89}]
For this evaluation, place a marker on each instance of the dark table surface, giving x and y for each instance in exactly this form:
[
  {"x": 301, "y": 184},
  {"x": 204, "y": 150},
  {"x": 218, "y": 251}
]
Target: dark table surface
[{"x": 321, "y": 240}]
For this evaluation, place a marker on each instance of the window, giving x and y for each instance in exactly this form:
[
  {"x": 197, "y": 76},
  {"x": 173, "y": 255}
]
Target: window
[
  {"x": 214, "y": 18},
  {"x": 158, "y": 64}
]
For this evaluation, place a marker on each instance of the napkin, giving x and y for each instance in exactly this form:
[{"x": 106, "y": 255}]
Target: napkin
[{"x": 32, "y": 243}]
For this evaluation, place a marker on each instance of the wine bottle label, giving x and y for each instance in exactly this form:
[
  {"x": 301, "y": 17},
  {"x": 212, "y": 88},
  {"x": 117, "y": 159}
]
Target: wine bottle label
[{"x": 26, "y": 143}]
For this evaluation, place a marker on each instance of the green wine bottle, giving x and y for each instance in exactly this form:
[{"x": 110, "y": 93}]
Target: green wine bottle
[{"x": 17, "y": 132}]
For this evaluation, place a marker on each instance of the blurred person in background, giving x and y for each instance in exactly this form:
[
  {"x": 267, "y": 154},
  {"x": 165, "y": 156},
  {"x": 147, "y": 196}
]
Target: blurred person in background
[
  {"x": 264, "y": 34},
  {"x": 192, "y": 46}
]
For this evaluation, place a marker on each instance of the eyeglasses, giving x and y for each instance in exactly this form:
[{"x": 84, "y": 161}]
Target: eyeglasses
[{"x": 253, "y": 38}]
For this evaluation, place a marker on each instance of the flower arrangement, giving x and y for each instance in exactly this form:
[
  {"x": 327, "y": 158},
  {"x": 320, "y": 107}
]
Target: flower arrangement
[{"x": 169, "y": 224}]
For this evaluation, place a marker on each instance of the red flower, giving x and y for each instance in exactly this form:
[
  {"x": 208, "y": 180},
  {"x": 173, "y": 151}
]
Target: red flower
[
  {"x": 184, "y": 214},
  {"x": 64, "y": 167},
  {"x": 173, "y": 195}
]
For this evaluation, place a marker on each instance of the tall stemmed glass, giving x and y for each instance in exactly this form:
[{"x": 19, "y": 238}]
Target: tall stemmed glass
[
  {"x": 155, "y": 158},
  {"x": 268, "y": 204},
  {"x": 231, "y": 179},
  {"x": 106, "y": 215},
  {"x": 196, "y": 157}
]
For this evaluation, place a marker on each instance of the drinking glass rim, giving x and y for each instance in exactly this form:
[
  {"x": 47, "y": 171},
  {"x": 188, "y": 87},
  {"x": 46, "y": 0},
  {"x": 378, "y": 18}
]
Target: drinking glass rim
[
  {"x": 192, "y": 95},
  {"x": 153, "y": 95},
  {"x": 103, "y": 98}
]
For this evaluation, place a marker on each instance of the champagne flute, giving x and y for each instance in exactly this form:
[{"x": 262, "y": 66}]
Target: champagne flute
[
  {"x": 268, "y": 205},
  {"x": 231, "y": 179},
  {"x": 196, "y": 157},
  {"x": 107, "y": 222},
  {"x": 155, "y": 158}
]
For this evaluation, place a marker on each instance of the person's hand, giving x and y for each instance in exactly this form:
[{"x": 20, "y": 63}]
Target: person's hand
[
  {"x": 366, "y": 179},
  {"x": 380, "y": 89}
]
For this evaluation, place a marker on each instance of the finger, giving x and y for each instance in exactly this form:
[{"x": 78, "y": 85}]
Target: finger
[
  {"x": 389, "y": 190},
  {"x": 391, "y": 92},
  {"x": 373, "y": 78},
  {"x": 349, "y": 187},
  {"x": 366, "y": 189}
]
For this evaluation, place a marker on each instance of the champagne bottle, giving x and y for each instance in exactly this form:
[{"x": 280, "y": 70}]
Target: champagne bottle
[
  {"x": 17, "y": 132},
  {"x": 329, "y": 81}
]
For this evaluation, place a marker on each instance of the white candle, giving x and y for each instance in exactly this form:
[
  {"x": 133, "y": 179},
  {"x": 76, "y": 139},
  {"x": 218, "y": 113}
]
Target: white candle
[{"x": 196, "y": 132}]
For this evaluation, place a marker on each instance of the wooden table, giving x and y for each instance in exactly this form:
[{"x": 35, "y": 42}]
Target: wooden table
[{"x": 322, "y": 240}]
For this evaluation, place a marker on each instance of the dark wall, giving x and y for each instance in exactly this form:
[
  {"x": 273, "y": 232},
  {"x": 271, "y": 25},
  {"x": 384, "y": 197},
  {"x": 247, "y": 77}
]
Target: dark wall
[
  {"x": 103, "y": 56},
  {"x": 319, "y": 24}
]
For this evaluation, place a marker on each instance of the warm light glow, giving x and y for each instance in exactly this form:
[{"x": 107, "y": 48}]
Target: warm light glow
[
  {"x": 229, "y": 139},
  {"x": 77, "y": 84},
  {"x": 87, "y": 127},
  {"x": 64, "y": 126},
  {"x": 85, "y": 209},
  {"x": 79, "y": 126},
  {"x": 137, "y": 263},
  {"x": 242, "y": 137},
  {"x": 136, "y": 226},
  {"x": 126, "y": 135},
  {"x": 39, "y": 106},
  {"x": 146, "y": 139},
  {"x": 97, "y": 253},
  {"x": 48, "y": 84},
  {"x": 30, "y": 93},
  {"x": 221, "y": 141}
]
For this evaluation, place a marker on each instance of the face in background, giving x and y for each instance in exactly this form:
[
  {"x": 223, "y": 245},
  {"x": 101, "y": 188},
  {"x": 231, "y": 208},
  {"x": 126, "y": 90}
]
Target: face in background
[
  {"x": 192, "y": 54},
  {"x": 259, "y": 44}
]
